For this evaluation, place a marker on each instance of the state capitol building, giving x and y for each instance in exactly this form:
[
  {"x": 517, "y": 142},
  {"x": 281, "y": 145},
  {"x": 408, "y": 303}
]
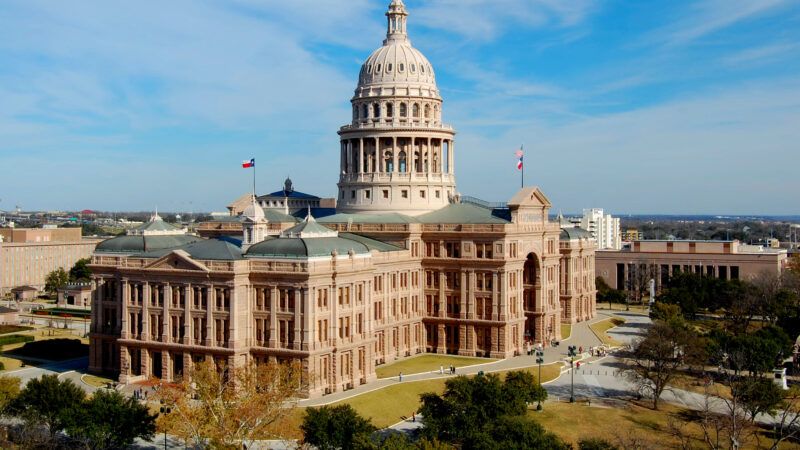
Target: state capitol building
[{"x": 402, "y": 266}]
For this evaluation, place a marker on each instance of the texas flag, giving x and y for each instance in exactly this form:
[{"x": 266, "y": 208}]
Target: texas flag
[
  {"x": 251, "y": 163},
  {"x": 519, "y": 155}
]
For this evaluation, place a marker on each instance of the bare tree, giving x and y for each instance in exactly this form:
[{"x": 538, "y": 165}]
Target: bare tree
[
  {"x": 230, "y": 406},
  {"x": 787, "y": 420},
  {"x": 655, "y": 359}
]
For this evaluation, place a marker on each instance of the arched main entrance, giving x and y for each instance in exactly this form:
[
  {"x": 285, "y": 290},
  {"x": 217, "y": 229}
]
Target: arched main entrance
[{"x": 531, "y": 295}]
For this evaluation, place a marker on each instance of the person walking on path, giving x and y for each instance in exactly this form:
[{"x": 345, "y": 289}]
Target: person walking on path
[
  {"x": 441, "y": 370},
  {"x": 401, "y": 376}
]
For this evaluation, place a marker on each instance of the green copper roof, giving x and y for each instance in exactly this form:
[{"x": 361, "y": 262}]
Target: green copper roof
[
  {"x": 275, "y": 216},
  {"x": 301, "y": 248},
  {"x": 464, "y": 213},
  {"x": 372, "y": 244},
  {"x": 138, "y": 244},
  {"x": 156, "y": 225},
  {"x": 368, "y": 218},
  {"x": 205, "y": 249},
  {"x": 574, "y": 233}
]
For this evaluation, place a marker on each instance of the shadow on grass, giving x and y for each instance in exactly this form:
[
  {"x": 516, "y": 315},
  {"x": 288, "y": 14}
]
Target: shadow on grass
[{"x": 51, "y": 350}]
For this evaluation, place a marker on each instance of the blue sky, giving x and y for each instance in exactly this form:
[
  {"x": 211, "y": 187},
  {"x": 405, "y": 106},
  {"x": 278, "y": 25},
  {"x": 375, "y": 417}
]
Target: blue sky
[{"x": 634, "y": 106}]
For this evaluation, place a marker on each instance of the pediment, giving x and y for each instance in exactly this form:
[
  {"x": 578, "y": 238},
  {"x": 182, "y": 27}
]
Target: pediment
[
  {"x": 177, "y": 260},
  {"x": 530, "y": 197}
]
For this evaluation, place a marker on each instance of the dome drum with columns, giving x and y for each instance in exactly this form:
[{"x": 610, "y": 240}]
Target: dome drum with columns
[{"x": 396, "y": 155}]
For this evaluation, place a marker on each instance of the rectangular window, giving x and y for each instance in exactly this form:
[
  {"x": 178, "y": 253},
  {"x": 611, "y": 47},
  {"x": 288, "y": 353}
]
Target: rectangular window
[
  {"x": 366, "y": 193},
  {"x": 352, "y": 194},
  {"x": 385, "y": 193},
  {"x": 404, "y": 193},
  {"x": 421, "y": 194},
  {"x": 438, "y": 194}
]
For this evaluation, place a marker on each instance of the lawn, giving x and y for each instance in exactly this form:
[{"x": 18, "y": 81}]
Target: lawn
[
  {"x": 621, "y": 423},
  {"x": 600, "y": 328},
  {"x": 13, "y": 328},
  {"x": 95, "y": 381},
  {"x": 10, "y": 363},
  {"x": 427, "y": 363},
  {"x": 566, "y": 331}
]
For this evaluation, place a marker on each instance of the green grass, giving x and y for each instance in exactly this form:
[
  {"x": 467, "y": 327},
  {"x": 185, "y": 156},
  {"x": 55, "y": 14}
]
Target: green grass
[
  {"x": 4, "y": 329},
  {"x": 426, "y": 363},
  {"x": 566, "y": 330},
  {"x": 15, "y": 339},
  {"x": 95, "y": 381},
  {"x": 600, "y": 328}
]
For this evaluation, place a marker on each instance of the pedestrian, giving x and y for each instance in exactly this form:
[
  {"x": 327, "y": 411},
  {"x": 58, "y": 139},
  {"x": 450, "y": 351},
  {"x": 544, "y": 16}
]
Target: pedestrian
[
  {"x": 145, "y": 395},
  {"x": 580, "y": 349},
  {"x": 401, "y": 376},
  {"x": 414, "y": 416},
  {"x": 454, "y": 370},
  {"x": 441, "y": 370}
]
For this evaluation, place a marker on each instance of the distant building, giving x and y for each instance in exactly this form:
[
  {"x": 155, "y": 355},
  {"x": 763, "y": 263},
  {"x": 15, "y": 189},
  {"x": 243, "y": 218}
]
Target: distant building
[
  {"x": 8, "y": 316},
  {"x": 27, "y": 255},
  {"x": 287, "y": 201},
  {"x": 632, "y": 234},
  {"x": 22, "y": 293},
  {"x": 603, "y": 227},
  {"x": 75, "y": 295},
  {"x": 661, "y": 259}
]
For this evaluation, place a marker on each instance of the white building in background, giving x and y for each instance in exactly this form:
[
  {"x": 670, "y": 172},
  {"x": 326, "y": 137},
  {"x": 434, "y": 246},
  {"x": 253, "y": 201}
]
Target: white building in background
[{"x": 603, "y": 227}]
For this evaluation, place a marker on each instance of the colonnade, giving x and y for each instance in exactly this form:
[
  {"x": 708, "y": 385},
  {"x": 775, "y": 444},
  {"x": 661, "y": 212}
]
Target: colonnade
[{"x": 397, "y": 154}]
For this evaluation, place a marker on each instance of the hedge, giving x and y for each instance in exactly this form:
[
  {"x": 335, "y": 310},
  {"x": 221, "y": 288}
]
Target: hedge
[{"x": 15, "y": 339}]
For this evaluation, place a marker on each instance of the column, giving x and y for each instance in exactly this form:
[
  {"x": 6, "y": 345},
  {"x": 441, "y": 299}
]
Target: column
[
  {"x": 395, "y": 169},
  {"x": 145, "y": 311},
  {"x": 273, "y": 317},
  {"x": 298, "y": 303},
  {"x": 124, "y": 290},
  {"x": 360, "y": 155},
  {"x": 441, "y": 298},
  {"x": 309, "y": 332},
  {"x": 211, "y": 304},
  {"x": 466, "y": 291},
  {"x": 378, "y": 160},
  {"x": 187, "y": 318},
  {"x": 496, "y": 285},
  {"x": 166, "y": 329},
  {"x": 451, "y": 150}
]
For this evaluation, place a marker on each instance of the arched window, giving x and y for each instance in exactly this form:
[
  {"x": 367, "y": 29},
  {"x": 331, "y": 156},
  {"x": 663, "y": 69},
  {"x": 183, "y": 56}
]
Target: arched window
[
  {"x": 388, "y": 163},
  {"x": 415, "y": 110},
  {"x": 401, "y": 67},
  {"x": 417, "y": 162},
  {"x": 413, "y": 68},
  {"x": 403, "y": 112},
  {"x": 389, "y": 67},
  {"x": 389, "y": 110},
  {"x": 402, "y": 161},
  {"x": 364, "y": 111},
  {"x": 435, "y": 112},
  {"x": 427, "y": 111},
  {"x": 422, "y": 68},
  {"x": 376, "y": 110},
  {"x": 378, "y": 68}
]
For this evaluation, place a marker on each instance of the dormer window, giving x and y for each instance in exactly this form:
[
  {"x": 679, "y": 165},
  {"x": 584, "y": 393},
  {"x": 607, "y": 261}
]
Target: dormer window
[
  {"x": 378, "y": 68},
  {"x": 401, "y": 67},
  {"x": 369, "y": 68},
  {"x": 422, "y": 68},
  {"x": 388, "y": 67},
  {"x": 413, "y": 68}
]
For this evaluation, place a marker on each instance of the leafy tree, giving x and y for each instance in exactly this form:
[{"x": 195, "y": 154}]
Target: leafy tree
[
  {"x": 758, "y": 396},
  {"x": 80, "y": 271},
  {"x": 9, "y": 391},
  {"x": 521, "y": 388},
  {"x": 655, "y": 359},
  {"x": 756, "y": 353},
  {"x": 596, "y": 444},
  {"x": 50, "y": 402},
  {"x": 335, "y": 427},
  {"x": 55, "y": 280},
  {"x": 665, "y": 312},
  {"x": 109, "y": 420},
  {"x": 476, "y": 413},
  {"x": 606, "y": 294},
  {"x": 229, "y": 406}
]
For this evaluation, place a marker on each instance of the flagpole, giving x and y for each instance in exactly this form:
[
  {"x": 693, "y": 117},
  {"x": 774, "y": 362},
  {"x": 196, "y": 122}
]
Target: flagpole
[
  {"x": 254, "y": 181},
  {"x": 522, "y": 183}
]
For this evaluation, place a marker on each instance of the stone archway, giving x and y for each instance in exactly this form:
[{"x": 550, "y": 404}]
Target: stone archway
[{"x": 532, "y": 298}]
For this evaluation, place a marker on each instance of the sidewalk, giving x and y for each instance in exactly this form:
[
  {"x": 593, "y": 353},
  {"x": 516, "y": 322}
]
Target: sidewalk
[{"x": 581, "y": 336}]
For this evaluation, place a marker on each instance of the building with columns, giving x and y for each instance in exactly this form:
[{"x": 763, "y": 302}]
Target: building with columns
[{"x": 404, "y": 265}]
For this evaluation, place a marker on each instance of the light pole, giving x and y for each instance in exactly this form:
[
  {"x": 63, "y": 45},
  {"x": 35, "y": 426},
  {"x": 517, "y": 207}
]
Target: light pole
[
  {"x": 165, "y": 410},
  {"x": 572, "y": 352},
  {"x": 540, "y": 360}
]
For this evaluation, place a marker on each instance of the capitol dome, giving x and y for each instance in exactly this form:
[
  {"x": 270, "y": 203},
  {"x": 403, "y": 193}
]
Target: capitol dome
[{"x": 397, "y": 63}]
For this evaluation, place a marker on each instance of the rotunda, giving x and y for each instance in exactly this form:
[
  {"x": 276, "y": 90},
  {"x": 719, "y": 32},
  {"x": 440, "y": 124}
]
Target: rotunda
[{"x": 396, "y": 154}]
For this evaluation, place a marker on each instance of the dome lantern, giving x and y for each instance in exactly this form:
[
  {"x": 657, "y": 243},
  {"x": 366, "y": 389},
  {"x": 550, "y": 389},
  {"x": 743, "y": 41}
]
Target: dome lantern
[{"x": 396, "y": 29}]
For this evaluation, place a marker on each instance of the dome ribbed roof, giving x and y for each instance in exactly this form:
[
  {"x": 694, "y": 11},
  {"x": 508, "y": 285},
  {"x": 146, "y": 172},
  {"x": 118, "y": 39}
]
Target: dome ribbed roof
[{"x": 397, "y": 63}]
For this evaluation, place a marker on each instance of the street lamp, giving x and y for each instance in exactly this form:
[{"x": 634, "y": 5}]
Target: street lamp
[
  {"x": 572, "y": 352},
  {"x": 540, "y": 360},
  {"x": 165, "y": 410}
]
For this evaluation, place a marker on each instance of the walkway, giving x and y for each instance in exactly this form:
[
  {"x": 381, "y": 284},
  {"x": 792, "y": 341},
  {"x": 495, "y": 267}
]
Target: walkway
[{"x": 581, "y": 336}]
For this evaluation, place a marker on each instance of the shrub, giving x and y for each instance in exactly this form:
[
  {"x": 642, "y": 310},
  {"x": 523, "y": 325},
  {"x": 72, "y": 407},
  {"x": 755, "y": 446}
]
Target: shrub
[{"x": 15, "y": 339}]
